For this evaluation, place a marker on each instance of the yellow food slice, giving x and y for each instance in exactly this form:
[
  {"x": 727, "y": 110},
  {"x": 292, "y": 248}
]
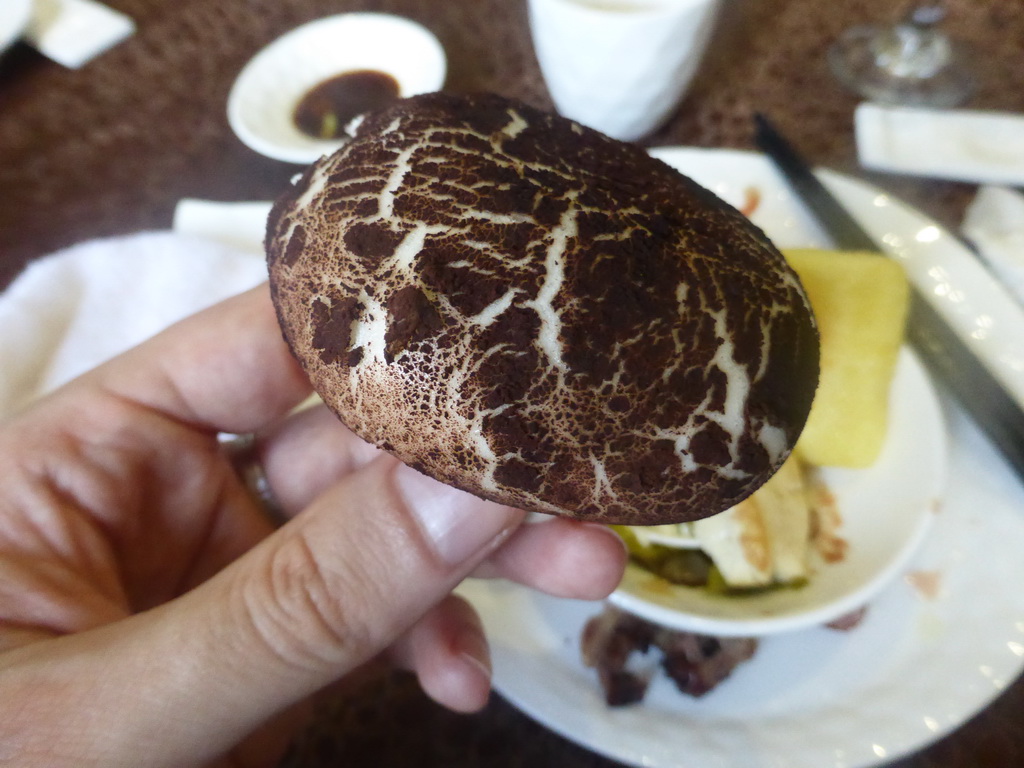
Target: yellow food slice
[
  {"x": 737, "y": 542},
  {"x": 764, "y": 539},
  {"x": 860, "y": 301},
  {"x": 786, "y": 512}
]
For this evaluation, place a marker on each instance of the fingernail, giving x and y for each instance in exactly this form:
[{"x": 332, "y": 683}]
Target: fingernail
[
  {"x": 474, "y": 649},
  {"x": 457, "y": 524}
]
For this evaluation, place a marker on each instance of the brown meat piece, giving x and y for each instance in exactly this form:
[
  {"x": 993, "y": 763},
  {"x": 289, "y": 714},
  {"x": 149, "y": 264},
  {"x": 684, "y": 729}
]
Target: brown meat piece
[{"x": 613, "y": 642}]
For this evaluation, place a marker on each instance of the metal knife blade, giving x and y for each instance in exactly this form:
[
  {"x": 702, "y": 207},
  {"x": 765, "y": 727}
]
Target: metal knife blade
[{"x": 947, "y": 357}]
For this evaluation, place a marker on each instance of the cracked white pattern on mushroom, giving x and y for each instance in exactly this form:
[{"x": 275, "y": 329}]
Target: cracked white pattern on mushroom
[
  {"x": 528, "y": 310},
  {"x": 549, "y": 336}
]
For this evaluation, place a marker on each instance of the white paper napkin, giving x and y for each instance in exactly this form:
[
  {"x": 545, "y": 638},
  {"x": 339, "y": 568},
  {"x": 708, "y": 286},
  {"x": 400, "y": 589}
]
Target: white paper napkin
[
  {"x": 72, "y": 32},
  {"x": 14, "y": 18},
  {"x": 994, "y": 224},
  {"x": 239, "y": 225},
  {"x": 962, "y": 145},
  {"x": 70, "y": 311}
]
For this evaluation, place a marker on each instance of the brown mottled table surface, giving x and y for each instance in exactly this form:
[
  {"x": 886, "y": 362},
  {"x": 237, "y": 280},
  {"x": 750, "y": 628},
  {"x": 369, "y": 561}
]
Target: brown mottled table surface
[{"x": 110, "y": 149}]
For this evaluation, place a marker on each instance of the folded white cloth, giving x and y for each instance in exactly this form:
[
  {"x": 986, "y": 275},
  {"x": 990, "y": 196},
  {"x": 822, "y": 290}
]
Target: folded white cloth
[
  {"x": 71, "y": 311},
  {"x": 962, "y": 145},
  {"x": 994, "y": 224},
  {"x": 73, "y": 32}
]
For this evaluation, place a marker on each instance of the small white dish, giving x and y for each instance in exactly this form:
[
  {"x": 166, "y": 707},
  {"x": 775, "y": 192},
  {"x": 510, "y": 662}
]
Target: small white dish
[
  {"x": 14, "y": 18},
  {"x": 886, "y": 511},
  {"x": 262, "y": 101}
]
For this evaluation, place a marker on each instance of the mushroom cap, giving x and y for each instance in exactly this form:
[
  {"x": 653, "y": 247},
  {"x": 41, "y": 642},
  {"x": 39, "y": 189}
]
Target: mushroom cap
[{"x": 531, "y": 311}]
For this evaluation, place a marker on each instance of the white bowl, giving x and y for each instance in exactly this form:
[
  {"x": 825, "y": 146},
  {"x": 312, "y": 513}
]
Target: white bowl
[
  {"x": 14, "y": 17},
  {"x": 262, "y": 102},
  {"x": 887, "y": 508},
  {"x": 886, "y": 511}
]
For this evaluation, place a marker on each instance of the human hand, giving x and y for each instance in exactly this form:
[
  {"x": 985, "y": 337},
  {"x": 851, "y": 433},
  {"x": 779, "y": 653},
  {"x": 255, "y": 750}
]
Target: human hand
[{"x": 149, "y": 612}]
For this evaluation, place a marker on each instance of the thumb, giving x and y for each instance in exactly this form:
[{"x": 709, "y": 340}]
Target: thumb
[
  {"x": 312, "y": 602},
  {"x": 353, "y": 572}
]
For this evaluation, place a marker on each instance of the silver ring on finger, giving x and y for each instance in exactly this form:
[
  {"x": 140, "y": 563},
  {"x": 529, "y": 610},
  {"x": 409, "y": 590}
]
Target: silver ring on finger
[{"x": 243, "y": 453}]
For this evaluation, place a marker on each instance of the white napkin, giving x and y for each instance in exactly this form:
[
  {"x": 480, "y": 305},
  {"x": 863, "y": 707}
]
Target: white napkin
[
  {"x": 72, "y": 310},
  {"x": 14, "y": 18},
  {"x": 73, "y": 32},
  {"x": 239, "y": 225},
  {"x": 962, "y": 145},
  {"x": 994, "y": 224}
]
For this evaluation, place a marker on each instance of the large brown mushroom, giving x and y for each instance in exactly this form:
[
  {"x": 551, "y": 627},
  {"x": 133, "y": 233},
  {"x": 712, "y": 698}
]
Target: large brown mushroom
[{"x": 546, "y": 317}]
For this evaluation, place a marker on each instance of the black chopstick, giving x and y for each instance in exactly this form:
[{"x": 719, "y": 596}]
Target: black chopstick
[{"x": 948, "y": 359}]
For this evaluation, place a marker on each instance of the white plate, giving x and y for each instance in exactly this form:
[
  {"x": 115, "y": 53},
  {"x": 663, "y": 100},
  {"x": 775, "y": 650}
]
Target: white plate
[
  {"x": 14, "y": 17},
  {"x": 262, "y": 101},
  {"x": 917, "y": 667},
  {"x": 886, "y": 511}
]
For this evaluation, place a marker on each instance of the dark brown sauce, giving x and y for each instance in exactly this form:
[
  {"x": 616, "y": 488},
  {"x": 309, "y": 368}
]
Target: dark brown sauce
[{"x": 329, "y": 106}]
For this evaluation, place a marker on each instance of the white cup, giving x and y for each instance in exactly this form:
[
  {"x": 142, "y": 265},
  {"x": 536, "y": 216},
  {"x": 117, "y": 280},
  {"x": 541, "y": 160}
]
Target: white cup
[{"x": 620, "y": 66}]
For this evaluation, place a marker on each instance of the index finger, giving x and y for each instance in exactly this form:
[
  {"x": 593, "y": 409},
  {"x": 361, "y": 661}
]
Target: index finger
[{"x": 224, "y": 369}]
